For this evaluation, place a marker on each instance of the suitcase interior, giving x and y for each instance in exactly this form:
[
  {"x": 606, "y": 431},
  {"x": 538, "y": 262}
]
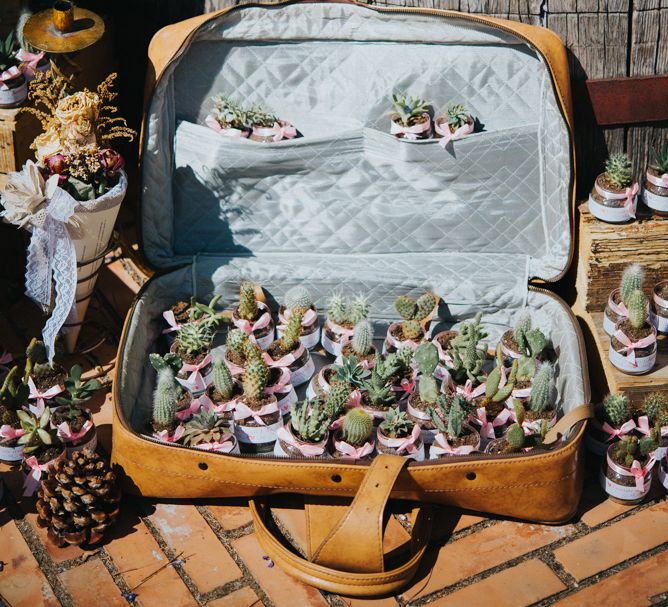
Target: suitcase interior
[{"x": 349, "y": 207}]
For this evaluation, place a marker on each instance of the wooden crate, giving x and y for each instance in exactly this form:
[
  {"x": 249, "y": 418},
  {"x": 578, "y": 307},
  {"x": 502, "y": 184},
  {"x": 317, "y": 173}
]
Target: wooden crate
[{"x": 17, "y": 131}]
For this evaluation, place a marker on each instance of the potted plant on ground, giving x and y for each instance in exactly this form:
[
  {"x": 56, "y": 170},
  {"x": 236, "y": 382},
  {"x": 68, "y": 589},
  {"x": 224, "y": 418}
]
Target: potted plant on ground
[
  {"x": 224, "y": 390},
  {"x": 626, "y": 475},
  {"x": 410, "y": 118},
  {"x": 45, "y": 380},
  {"x": 655, "y": 192},
  {"x": 193, "y": 347},
  {"x": 209, "y": 431},
  {"x": 13, "y": 84},
  {"x": 613, "y": 198},
  {"x": 299, "y": 298},
  {"x": 13, "y": 396},
  {"x": 655, "y": 406},
  {"x": 616, "y": 309},
  {"x": 660, "y": 296},
  {"x": 611, "y": 422},
  {"x": 633, "y": 344},
  {"x": 416, "y": 315},
  {"x": 455, "y": 436},
  {"x": 288, "y": 351},
  {"x": 360, "y": 344},
  {"x": 265, "y": 127},
  {"x": 398, "y": 435},
  {"x": 523, "y": 340},
  {"x": 253, "y": 316},
  {"x": 427, "y": 395},
  {"x": 343, "y": 313},
  {"x": 228, "y": 118},
  {"x": 307, "y": 432},
  {"x": 456, "y": 123},
  {"x": 256, "y": 414},
  {"x": 354, "y": 440}
]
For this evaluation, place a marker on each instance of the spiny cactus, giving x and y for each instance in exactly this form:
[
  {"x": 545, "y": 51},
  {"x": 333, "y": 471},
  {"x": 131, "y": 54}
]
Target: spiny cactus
[
  {"x": 229, "y": 113},
  {"x": 298, "y": 297},
  {"x": 637, "y": 309},
  {"x": 337, "y": 309},
  {"x": 204, "y": 427},
  {"x": 337, "y": 399},
  {"x": 632, "y": 280},
  {"x": 655, "y": 406},
  {"x": 357, "y": 427},
  {"x": 351, "y": 372},
  {"x": 252, "y": 351},
  {"x": 660, "y": 163},
  {"x": 358, "y": 308},
  {"x": 531, "y": 342},
  {"x": 493, "y": 393},
  {"x": 619, "y": 171},
  {"x": 13, "y": 395},
  {"x": 171, "y": 360},
  {"x": 293, "y": 331},
  {"x": 362, "y": 338},
  {"x": 236, "y": 342},
  {"x": 222, "y": 379},
  {"x": 541, "y": 389},
  {"x": 411, "y": 330},
  {"x": 404, "y": 356},
  {"x": 164, "y": 400},
  {"x": 346, "y": 311},
  {"x": 516, "y": 437},
  {"x": 396, "y": 424},
  {"x": 408, "y": 108},
  {"x": 310, "y": 420},
  {"x": 646, "y": 445},
  {"x": 412, "y": 312},
  {"x": 248, "y": 309},
  {"x": 425, "y": 305},
  {"x": 456, "y": 416},
  {"x": 617, "y": 409},
  {"x": 457, "y": 115},
  {"x": 194, "y": 338},
  {"x": 406, "y": 307},
  {"x": 467, "y": 351},
  {"x": 255, "y": 378},
  {"x": 36, "y": 358}
]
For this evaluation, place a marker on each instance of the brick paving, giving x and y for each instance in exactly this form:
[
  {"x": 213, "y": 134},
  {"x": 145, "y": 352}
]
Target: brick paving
[{"x": 206, "y": 554}]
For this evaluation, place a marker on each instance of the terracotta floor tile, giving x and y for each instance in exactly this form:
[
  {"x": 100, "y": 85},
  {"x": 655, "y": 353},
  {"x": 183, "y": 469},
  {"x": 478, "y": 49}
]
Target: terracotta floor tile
[
  {"x": 231, "y": 514},
  {"x": 244, "y": 597},
  {"x": 633, "y": 586},
  {"x": 91, "y": 584},
  {"x": 57, "y": 554},
  {"x": 518, "y": 586},
  {"x": 450, "y": 520},
  {"x": 209, "y": 564},
  {"x": 622, "y": 540},
  {"x": 282, "y": 589},
  {"x": 383, "y": 602}
]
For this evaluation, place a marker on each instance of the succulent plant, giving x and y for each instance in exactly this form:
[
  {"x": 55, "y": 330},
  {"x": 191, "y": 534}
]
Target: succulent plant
[
  {"x": 380, "y": 393},
  {"x": 13, "y": 395},
  {"x": 426, "y": 357},
  {"x": 310, "y": 420},
  {"x": 194, "y": 338},
  {"x": 204, "y": 427},
  {"x": 337, "y": 309},
  {"x": 255, "y": 378},
  {"x": 456, "y": 416},
  {"x": 655, "y": 405},
  {"x": 541, "y": 389},
  {"x": 237, "y": 341},
  {"x": 617, "y": 409},
  {"x": 467, "y": 351},
  {"x": 351, "y": 372},
  {"x": 357, "y": 427},
  {"x": 408, "y": 108},
  {"x": 457, "y": 115},
  {"x": 38, "y": 433},
  {"x": 298, "y": 297},
  {"x": 293, "y": 331},
  {"x": 496, "y": 394},
  {"x": 637, "y": 309},
  {"x": 396, "y": 424},
  {"x": 171, "y": 360},
  {"x": 531, "y": 342},
  {"x": 228, "y": 113},
  {"x": 206, "y": 313},
  {"x": 660, "y": 163},
  {"x": 247, "y": 309},
  {"x": 164, "y": 400},
  {"x": 36, "y": 359},
  {"x": 630, "y": 448},
  {"x": 428, "y": 389},
  {"x": 222, "y": 379},
  {"x": 619, "y": 171},
  {"x": 258, "y": 116},
  {"x": 76, "y": 390},
  {"x": 347, "y": 311},
  {"x": 8, "y": 50},
  {"x": 362, "y": 338},
  {"x": 519, "y": 410},
  {"x": 632, "y": 280},
  {"x": 515, "y": 437},
  {"x": 337, "y": 399}
]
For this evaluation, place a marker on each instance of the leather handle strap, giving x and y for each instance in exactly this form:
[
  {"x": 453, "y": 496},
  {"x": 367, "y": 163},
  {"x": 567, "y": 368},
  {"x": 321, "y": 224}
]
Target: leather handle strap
[{"x": 569, "y": 420}]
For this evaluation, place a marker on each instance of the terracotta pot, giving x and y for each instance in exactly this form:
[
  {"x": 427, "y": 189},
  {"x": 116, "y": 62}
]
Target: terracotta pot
[
  {"x": 612, "y": 206},
  {"x": 655, "y": 192},
  {"x": 621, "y": 485}
]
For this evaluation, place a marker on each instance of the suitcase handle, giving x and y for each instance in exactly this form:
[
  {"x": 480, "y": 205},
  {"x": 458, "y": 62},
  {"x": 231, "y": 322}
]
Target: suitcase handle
[{"x": 346, "y": 546}]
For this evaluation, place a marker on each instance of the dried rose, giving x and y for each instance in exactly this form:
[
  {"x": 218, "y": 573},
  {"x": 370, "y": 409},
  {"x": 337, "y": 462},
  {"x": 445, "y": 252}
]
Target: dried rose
[
  {"x": 47, "y": 144},
  {"x": 111, "y": 162},
  {"x": 56, "y": 164},
  {"x": 83, "y": 106}
]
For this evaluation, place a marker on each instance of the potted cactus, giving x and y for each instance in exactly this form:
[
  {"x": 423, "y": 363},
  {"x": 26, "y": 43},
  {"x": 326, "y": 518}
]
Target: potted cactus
[
  {"x": 516, "y": 439},
  {"x": 655, "y": 406},
  {"x": 224, "y": 390},
  {"x": 633, "y": 344},
  {"x": 410, "y": 118},
  {"x": 377, "y": 396},
  {"x": 238, "y": 347},
  {"x": 540, "y": 402},
  {"x": 399, "y": 435},
  {"x": 299, "y": 298},
  {"x": 343, "y": 313},
  {"x": 616, "y": 309},
  {"x": 13, "y": 85},
  {"x": 164, "y": 422},
  {"x": 660, "y": 296},
  {"x": 613, "y": 198},
  {"x": 354, "y": 440},
  {"x": 45, "y": 380},
  {"x": 426, "y": 397},
  {"x": 209, "y": 431},
  {"x": 183, "y": 312},
  {"x": 442, "y": 342},
  {"x": 253, "y": 316},
  {"x": 455, "y": 436},
  {"x": 360, "y": 345},
  {"x": 523, "y": 340},
  {"x": 611, "y": 422},
  {"x": 265, "y": 127},
  {"x": 256, "y": 414},
  {"x": 193, "y": 346},
  {"x": 185, "y": 404},
  {"x": 13, "y": 396},
  {"x": 655, "y": 192},
  {"x": 350, "y": 372},
  {"x": 456, "y": 123},
  {"x": 307, "y": 432},
  {"x": 228, "y": 118},
  {"x": 416, "y": 315},
  {"x": 626, "y": 474},
  {"x": 467, "y": 354},
  {"x": 289, "y": 352}
]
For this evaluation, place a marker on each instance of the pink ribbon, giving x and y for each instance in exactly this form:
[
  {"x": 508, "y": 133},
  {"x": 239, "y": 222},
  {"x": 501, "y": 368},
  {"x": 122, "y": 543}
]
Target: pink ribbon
[
  {"x": 338, "y": 329},
  {"x": 636, "y": 470},
  {"x": 192, "y": 408},
  {"x": 8, "y": 75},
  {"x": 306, "y": 449},
  {"x": 624, "y": 429},
  {"x": 169, "y": 317},
  {"x": 212, "y": 123},
  {"x": 283, "y": 385},
  {"x": 40, "y": 397},
  {"x": 631, "y": 346},
  {"x": 487, "y": 428},
  {"x": 442, "y": 356},
  {"x": 8, "y": 433},
  {"x": 402, "y": 445},
  {"x": 355, "y": 399},
  {"x": 355, "y": 453},
  {"x": 195, "y": 381},
  {"x": 243, "y": 411},
  {"x": 441, "y": 446},
  {"x": 174, "y": 438},
  {"x": 208, "y": 405},
  {"x": 31, "y": 481},
  {"x": 617, "y": 308},
  {"x": 417, "y": 414},
  {"x": 468, "y": 392},
  {"x": 443, "y": 129},
  {"x": 250, "y": 328},
  {"x": 278, "y": 131},
  {"x": 629, "y": 197},
  {"x": 5, "y": 359},
  {"x": 643, "y": 425},
  {"x": 30, "y": 60},
  {"x": 411, "y": 132},
  {"x": 65, "y": 432},
  {"x": 284, "y": 361},
  {"x": 309, "y": 318},
  {"x": 661, "y": 181},
  {"x": 224, "y": 445}
]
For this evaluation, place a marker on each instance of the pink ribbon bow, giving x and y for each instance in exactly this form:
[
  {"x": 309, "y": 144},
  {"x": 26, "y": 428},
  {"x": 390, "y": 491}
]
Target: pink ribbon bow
[
  {"x": 407, "y": 386},
  {"x": 411, "y": 132},
  {"x": 283, "y": 385},
  {"x": 631, "y": 346},
  {"x": 243, "y": 411},
  {"x": 224, "y": 445},
  {"x": 338, "y": 329},
  {"x": 30, "y": 60},
  {"x": 192, "y": 408},
  {"x": 446, "y": 359},
  {"x": 195, "y": 381},
  {"x": 468, "y": 392},
  {"x": 624, "y": 429},
  {"x": 643, "y": 425},
  {"x": 443, "y": 129},
  {"x": 283, "y": 131},
  {"x": 355, "y": 399},
  {"x": 486, "y": 427},
  {"x": 169, "y": 317},
  {"x": 307, "y": 320},
  {"x": 441, "y": 446},
  {"x": 40, "y": 397},
  {"x": 250, "y": 328},
  {"x": 631, "y": 201},
  {"x": 208, "y": 405},
  {"x": 212, "y": 123},
  {"x": 8, "y": 75},
  {"x": 618, "y": 308},
  {"x": 31, "y": 481},
  {"x": 8, "y": 433},
  {"x": 306, "y": 449},
  {"x": 402, "y": 445},
  {"x": 284, "y": 361},
  {"x": 65, "y": 432},
  {"x": 174, "y": 438},
  {"x": 354, "y": 452}
]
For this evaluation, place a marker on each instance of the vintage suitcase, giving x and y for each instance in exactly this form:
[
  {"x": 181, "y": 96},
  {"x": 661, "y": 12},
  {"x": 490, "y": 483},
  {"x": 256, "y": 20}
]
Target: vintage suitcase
[{"x": 348, "y": 206}]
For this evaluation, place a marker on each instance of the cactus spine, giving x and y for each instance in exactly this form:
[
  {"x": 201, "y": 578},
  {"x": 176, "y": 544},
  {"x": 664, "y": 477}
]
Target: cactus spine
[
  {"x": 655, "y": 406},
  {"x": 358, "y": 309},
  {"x": 336, "y": 309},
  {"x": 617, "y": 409},
  {"x": 406, "y": 307},
  {"x": 236, "y": 342},
  {"x": 222, "y": 379},
  {"x": 309, "y": 420},
  {"x": 255, "y": 378},
  {"x": 637, "y": 311},
  {"x": 164, "y": 400},
  {"x": 539, "y": 399},
  {"x": 618, "y": 170},
  {"x": 298, "y": 297},
  {"x": 425, "y": 305},
  {"x": 515, "y": 437},
  {"x": 357, "y": 427},
  {"x": 337, "y": 399},
  {"x": 362, "y": 338},
  {"x": 290, "y": 338},
  {"x": 632, "y": 280},
  {"x": 248, "y": 309}
]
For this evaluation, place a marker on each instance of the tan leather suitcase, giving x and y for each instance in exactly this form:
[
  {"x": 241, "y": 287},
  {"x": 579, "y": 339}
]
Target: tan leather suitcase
[{"x": 479, "y": 222}]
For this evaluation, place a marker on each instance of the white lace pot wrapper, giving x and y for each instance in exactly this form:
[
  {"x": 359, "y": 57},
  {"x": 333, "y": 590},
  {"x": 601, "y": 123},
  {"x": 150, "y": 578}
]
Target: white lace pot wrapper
[
  {"x": 628, "y": 361},
  {"x": 410, "y": 447},
  {"x": 391, "y": 343},
  {"x": 311, "y": 327},
  {"x": 652, "y": 200},
  {"x": 342, "y": 334},
  {"x": 251, "y": 328},
  {"x": 641, "y": 475},
  {"x": 660, "y": 322},
  {"x": 610, "y": 214},
  {"x": 428, "y": 434}
]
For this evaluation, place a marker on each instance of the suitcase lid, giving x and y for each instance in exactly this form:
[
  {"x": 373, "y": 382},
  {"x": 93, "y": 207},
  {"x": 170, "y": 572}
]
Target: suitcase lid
[{"x": 501, "y": 199}]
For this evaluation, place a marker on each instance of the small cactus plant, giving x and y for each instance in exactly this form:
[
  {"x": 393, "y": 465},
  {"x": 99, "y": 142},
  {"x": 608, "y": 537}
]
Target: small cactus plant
[
  {"x": 515, "y": 437},
  {"x": 254, "y": 379},
  {"x": 298, "y": 297},
  {"x": 632, "y": 280},
  {"x": 637, "y": 309},
  {"x": 194, "y": 339},
  {"x": 38, "y": 433},
  {"x": 248, "y": 309},
  {"x": 222, "y": 379},
  {"x": 258, "y": 116},
  {"x": 456, "y": 416},
  {"x": 541, "y": 389},
  {"x": 204, "y": 427},
  {"x": 337, "y": 399},
  {"x": 630, "y": 448},
  {"x": 659, "y": 163},
  {"x": 362, "y": 338},
  {"x": 310, "y": 420},
  {"x": 206, "y": 313},
  {"x": 494, "y": 393},
  {"x": 617, "y": 409},
  {"x": 655, "y": 405},
  {"x": 396, "y": 424},
  {"x": 409, "y": 109},
  {"x": 468, "y": 352},
  {"x": 164, "y": 401},
  {"x": 228, "y": 113},
  {"x": 237, "y": 341},
  {"x": 357, "y": 427},
  {"x": 619, "y": 171},
  {"x": 293, "y": 331},
  {"x": 346, "y": 311},
  {"x": 413, "y": 312},
  {"x": 13, "y": 395},
  {"x": 531, "y": 342},
  {"x": 351, "y": 372}
]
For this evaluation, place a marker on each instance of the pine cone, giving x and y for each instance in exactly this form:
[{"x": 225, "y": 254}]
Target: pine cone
[{"x": 78, "y": 499}]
